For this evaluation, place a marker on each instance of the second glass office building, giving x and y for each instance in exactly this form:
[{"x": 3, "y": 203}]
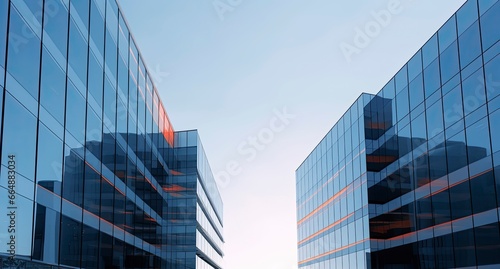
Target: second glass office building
[
  {"x": 93, "y": 174},
  {"x": 410, "y": 177}
]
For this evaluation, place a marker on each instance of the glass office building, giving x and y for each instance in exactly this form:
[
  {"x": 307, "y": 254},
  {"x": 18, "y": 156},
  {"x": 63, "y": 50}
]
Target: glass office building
[
  {"x": 93, "y": 174},
  {"x": 410, "y": 177}
]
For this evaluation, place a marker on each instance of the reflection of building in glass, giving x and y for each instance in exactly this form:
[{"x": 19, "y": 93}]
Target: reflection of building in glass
[
  {"x": 102, "y": 179},
  {"x": 410, "y": 177}
]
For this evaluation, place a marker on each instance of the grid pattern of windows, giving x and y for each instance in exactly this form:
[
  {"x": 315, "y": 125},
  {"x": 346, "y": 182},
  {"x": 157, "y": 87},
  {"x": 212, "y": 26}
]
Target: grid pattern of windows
[
  {"x": 431, "y": 160},
  {"x": 101, "y": 178}
]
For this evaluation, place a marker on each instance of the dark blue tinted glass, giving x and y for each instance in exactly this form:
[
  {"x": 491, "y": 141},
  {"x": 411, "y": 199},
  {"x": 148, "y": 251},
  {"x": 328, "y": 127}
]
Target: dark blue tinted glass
[
  {"x": 19, "y": 137},
  {"x": 489, "y": 26},
  {"x": 46, "y": 241},
  {"x": 78, "y": 49},
  {"x": 467, "y": 15},
  {"x": 110, "y": 107},
  {"x": 470, "y": 45},
  {"x": 453, "y": 108},
  {"x": 432, "y": 80},
  {"x": 487, "y": 237},
  {"x": 4, "y": 7},
  {"x": 447, "y": 34},
  {"x": 430, "y": 51},
  {"x": 24, "y": 54},
  {"x": 56, "y": 24},
  {"x": 71, "y": 242},
  {"x": 473, "y": 89},
  {"x": 492, "y": 74},
  {"x": 52, "y": 89},
  {"x": 449, "y": 62},
  {"x": 478, "y": 140},
  {"x": 75, "y": 113},
  {"x": 464, "y": 248},
  {"x": 111, "y": 55}
]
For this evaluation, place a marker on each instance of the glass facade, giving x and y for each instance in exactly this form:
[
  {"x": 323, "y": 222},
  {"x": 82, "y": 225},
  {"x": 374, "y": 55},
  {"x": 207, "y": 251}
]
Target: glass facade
[
  {"x": 410, "y": 177},
  {"x": 93, "y": 174}
]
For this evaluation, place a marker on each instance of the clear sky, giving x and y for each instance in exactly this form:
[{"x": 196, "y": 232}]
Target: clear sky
[{"x": 263, "y": 81}]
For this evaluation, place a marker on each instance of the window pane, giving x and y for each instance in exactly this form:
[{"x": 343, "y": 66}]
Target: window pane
[
  {"x": 82, "y": 9},
  {"x": 483, "y": 193},
  {"x": 52, "y": 88},
  {"x": 56, "y": 24},
  {"x": 418, "y": 131},
  {"x": 470, "y": 45},
  {"x": 447, "y": 34},
  {"x": 4, "y": 5},
  {"x": 401, "y": 79},
  {"x": 478, "y": 140},
  {"x": 473, "y": 92},
  {"x": 492, "y": 74},
  {"x": 402, "y": 103},
  {"x": 416, "y": 92},
  {"x": 46, "y": 241},
  {"x": 73, "y": 177},
  {"x": 487, "y": 244},
  {"x": 434, "y": 120},
  {"x": 449, "y": 62},
  {"x": 495, "y": 130},
  {"x": 489, "y": 26},
  {"x": 19, "y": 137},
  {"x": 453, "y": 109},
  {"x": 49, "y": 161},
  {"x": 96, "y": 28},
  {"x": 77, "y": 56},
  {"x": 71, "y": 236},
  {"x": 432, "y": 80},
  {"x": 466, "y": 16},
  {"x": 75, "y": 113},
  {"x": 24, "y": 54},
  {"x": 96, "y": 77},
  {"x": 456, "y": 152},
  {"x": 464, "y": 248},
  {"x": 430, "y": 51}
]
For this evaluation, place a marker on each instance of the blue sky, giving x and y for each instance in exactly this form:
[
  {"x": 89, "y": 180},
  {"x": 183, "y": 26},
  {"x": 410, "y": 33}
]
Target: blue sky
[{"x": 263, "y": 81}]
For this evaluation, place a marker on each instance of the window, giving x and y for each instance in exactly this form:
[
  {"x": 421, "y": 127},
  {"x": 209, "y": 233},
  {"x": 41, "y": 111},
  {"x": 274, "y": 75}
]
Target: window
[
  {"x": 402, "y": 103},
  {"x": 75, "y": 113},
  {"x": 434, "y": 120},
  {"x": 487, "y": 244},
  {"x": 416, "y": 92},
  {"x": 478, "y": 140},
  {"x": 94, "y": 133},
  {"x": 473, "y": 91},
  {"x": 464, "y": 248},
  {"x": 449, "y": 62},
  {"x": 23, "y": 61},
  {"x": 19, "y": 137},
  {"x": 483, "y": 193},
  {"x": 401, "y": 79},
  {"x": 70, "y": 244},
  {"x": 415, "y": 66},
  {"x": 96, "y": 80},
  {"x": 495, "y": 130},
  {"x": 46, "y": 241},
  {"x": 418, "y": 131},
  {"x": 56, "y": 24},
  {"x": 4, "y": 7},
  {"x": 430, "y": 51},
  {"x": 82, "y": 9},
  {"x": 73, "y": 177},
  {"x": 432, "y": 80},
  {"x": 466, "y": 16},
  {"x": 97, "y": 29},
  {"x": 489, "y": 26},
  {"x": 453, "y": 108},
  {"x": 53, "y": 87},
  {"x": 92, "y": 194},
  {"x": 109, "y": 105},
  {"x": 492, "y": 74},
  {"x": 470, "y": 45},
  {"x": 456, "y": 152},
  {"x": 447, "y": 34},
  {"x": 49, "y": 161},
  {"x": 77, "y": 56}
]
